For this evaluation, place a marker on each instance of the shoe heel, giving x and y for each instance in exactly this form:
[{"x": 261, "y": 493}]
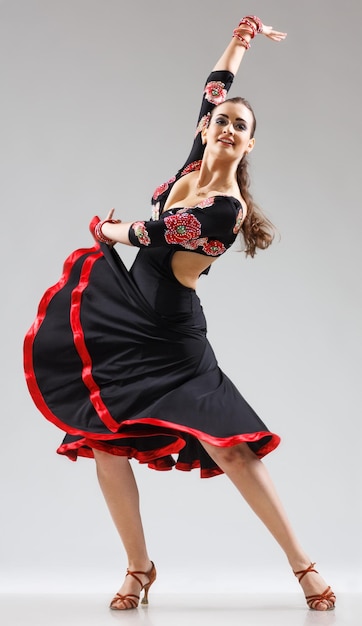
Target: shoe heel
[
  {"x": 152, "y": 577},
  {"x": 146, "y": 588}
]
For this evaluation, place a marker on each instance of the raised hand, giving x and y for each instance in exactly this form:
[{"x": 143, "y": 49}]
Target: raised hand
[{"x": 275, "y": 35}]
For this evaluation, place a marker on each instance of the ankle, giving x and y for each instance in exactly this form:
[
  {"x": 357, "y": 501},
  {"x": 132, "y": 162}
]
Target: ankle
[
  {"x": 299, "y": 562},
  {"x": 140, "y": 565}
]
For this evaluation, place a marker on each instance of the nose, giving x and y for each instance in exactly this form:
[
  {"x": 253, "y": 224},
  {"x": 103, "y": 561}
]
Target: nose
[{"x": 228, "y": 128}]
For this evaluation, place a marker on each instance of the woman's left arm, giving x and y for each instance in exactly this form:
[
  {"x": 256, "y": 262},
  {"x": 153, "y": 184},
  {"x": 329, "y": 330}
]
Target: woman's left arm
[{"x": 242, "y": 35}]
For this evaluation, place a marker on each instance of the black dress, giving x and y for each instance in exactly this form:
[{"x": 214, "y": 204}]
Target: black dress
[{"x": 120, "y": 360}]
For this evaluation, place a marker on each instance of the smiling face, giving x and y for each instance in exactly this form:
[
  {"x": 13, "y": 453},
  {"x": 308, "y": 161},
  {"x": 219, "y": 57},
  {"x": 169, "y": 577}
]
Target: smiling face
[{"x": 230, "y": 131}]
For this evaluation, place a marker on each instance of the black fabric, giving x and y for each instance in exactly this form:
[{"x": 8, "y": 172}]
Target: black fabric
[{"x": 120, "y": 359}]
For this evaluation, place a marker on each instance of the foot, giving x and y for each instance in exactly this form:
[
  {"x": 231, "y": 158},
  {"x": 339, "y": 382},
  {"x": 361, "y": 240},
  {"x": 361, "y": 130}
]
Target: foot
[
  {"x": 318, "y": 594},
  {"x": 128, "y": 595}
]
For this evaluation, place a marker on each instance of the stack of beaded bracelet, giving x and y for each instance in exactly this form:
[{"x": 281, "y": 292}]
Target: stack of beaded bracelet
[
  {"x": 98, "y": 231},
  {"x": 253, "y": 26}
]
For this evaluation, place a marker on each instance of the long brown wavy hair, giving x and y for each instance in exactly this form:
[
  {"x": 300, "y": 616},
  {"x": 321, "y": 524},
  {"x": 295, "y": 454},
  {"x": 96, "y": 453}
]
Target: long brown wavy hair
[{"x": 257, "y": 231}]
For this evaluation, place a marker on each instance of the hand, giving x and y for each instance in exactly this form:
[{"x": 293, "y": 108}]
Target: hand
[
  {"x": 275, "y": 35},
  {"x": 96, "y": 226},
  {"x": 110, "y": 215}
]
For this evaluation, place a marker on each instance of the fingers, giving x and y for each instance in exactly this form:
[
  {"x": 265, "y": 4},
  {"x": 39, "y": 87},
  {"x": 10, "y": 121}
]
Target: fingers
[
  {"x": 275, "y": 35},
  {"x": 110, "y": 214}
]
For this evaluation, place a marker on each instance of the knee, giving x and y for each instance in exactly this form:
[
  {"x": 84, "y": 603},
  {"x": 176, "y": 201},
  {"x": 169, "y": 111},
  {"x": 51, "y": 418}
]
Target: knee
[
  {"x": 107, "y": 463},
  {"x": 239, "y": 454}
]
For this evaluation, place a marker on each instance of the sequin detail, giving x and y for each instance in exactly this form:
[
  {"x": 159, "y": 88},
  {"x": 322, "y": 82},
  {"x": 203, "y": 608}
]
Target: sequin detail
[
  {"x": 162, "y": 188},
  {"x": 181, "y": 228},
  {"x": 141, "y": 233},
  {"x": 203, "y": 123},
  {"x": 239, "y": 221},
  {"x": 191, "y": 167},
  {"x": 195, "y": 243},
  {"x": 203, "y": 204},
  {"x": 156, "y": 212},
  {"x": 213, "y": 247},
  {"x": 215, "y": 92}
]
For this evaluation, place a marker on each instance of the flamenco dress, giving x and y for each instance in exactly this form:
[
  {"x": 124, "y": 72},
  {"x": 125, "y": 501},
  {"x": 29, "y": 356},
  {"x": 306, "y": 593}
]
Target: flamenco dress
[{"x": 119, "y": 359}]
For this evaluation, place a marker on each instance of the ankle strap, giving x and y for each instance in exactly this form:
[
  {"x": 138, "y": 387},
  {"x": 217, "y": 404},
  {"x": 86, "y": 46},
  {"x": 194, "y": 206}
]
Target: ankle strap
[{"x": 300, "y": 575}]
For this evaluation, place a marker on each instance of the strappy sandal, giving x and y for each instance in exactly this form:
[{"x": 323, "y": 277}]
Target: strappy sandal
[
  {"x": 130, "y": 600},
  {"x": 327, "y": 597}
]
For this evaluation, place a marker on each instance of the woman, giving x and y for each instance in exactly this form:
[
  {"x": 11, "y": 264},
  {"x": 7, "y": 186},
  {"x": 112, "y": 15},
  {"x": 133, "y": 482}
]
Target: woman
[{"x": 120, "y": 360}]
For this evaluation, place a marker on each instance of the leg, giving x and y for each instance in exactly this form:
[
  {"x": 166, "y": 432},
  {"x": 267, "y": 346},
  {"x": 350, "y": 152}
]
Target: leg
[
  {"x": 252, "y": 480},
  {"x": 120, "y": 491}
]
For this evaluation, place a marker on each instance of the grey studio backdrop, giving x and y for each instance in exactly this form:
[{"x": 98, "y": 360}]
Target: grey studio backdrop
[{"x": 98, "y": 106}]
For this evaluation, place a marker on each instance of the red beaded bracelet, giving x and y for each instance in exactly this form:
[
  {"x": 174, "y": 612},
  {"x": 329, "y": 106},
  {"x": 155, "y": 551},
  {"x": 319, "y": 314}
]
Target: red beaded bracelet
[
  {"x": 243, "y": 41},
  {"x": 258, "y": 22},
  {"x": 252, "y": 26},
  {"x": 98, "y": 231}
]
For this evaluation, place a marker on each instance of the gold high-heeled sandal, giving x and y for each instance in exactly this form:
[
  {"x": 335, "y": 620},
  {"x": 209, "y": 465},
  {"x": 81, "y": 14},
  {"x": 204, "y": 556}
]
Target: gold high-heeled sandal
[
  {"x": 130, "y": 598},
  {"x": 327, "y": 597}
]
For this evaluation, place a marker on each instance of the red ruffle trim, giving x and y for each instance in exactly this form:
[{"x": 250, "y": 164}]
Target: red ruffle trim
[{"x": 160, "y": 458}]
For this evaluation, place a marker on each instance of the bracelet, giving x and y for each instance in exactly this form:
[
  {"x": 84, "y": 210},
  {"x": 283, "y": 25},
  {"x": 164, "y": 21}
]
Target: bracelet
[
  {"x": 252, "y": 26},
  {"x": 98, "y": 231},
  {"x": 258, "y": 22},
  {"x": 243, "y": 41}
]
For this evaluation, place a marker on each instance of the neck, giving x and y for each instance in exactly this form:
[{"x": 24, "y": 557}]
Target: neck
[{"x": 215, "y": 177}]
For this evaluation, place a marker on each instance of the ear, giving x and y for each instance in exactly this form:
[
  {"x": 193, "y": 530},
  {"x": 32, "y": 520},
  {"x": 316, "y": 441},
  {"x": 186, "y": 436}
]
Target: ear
[
  {"x": 204, "y": 136},
  {"x": 251, "y": 145}
]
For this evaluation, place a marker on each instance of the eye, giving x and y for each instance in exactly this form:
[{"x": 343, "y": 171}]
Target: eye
[
  {"x": 221, "y": 121},
  {"x": 240, "y": 126}
]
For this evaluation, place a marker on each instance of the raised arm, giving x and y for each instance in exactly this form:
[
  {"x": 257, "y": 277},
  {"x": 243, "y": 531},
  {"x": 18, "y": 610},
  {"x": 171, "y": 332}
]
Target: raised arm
[
  {"x": 247, "y": 29},
  {"x": 216, "y": 88},
  {"x": 219, "y": 82}
]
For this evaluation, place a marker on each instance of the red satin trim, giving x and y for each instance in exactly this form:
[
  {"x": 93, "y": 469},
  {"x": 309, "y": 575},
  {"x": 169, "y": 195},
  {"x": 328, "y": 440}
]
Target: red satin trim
[
  {"x": 78, "y": 448},
  {"x": 223, "y": 442},
  {"x": 31, "y": 334},
  {"x": 171, "y": 430},
  {"x": 75, "y": 449},
  {"x": 81, "y": 347},
  {"x": 155, "y": 458}
]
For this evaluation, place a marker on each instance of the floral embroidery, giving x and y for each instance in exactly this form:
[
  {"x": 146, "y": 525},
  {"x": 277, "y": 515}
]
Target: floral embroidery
[
  {"x": 181, "y": 228},
  {"x": 194, "y": 243},
  {"x": 215, "y": 92},
  {"x": 141, "y": 233},
  {"x": 203, "y": 123},
  {"x": 156, "y": 212},
  {"x": 162, "y": 188},
  {"x": 213, "y": 247},
  {"x": 195, "y": 165},
  {"x": 203, "y": 204},
  {"x": 239, "y": 219}
]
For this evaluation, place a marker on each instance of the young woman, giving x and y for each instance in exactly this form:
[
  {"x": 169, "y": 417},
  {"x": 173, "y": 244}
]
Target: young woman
[{"x": 120, "y": 360}]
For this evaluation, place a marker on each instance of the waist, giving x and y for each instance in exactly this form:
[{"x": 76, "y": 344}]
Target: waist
[{"x": 154, "y": 277}]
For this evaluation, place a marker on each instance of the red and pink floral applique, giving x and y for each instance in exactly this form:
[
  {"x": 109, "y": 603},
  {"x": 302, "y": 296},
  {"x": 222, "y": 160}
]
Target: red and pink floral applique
[
  {"x": 213, "y": 247},
  {"x": 162, "y": 188},
  {"x": 181, "y": 227},
  {"x": 155, "y": 212},
  {"x": 203, "y": 123},
  {"x": 203, "y": 204},
  {"x": 239, "y": 221},
  {"x": 215, "y": 92},
  {"x": 194, "y": 243},
  {"x": 141, "y": 233},
  {"x": 191, "y": 167}
]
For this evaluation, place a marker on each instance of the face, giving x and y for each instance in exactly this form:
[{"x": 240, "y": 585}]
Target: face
[{"x": 229, "y": 131}]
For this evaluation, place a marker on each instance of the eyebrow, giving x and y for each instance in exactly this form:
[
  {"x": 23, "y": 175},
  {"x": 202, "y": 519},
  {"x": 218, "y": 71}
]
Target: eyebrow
[{"x": 237, "y": 119}]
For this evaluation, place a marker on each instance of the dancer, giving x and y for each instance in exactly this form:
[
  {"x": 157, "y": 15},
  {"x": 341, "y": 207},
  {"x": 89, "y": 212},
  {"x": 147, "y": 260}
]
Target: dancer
[{"x": 120, "y": 360}]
